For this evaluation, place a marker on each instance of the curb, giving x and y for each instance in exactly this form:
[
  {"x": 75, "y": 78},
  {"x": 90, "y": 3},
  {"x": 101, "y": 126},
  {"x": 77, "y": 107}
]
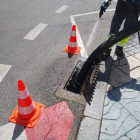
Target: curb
[{"x": 91, "y": 124}]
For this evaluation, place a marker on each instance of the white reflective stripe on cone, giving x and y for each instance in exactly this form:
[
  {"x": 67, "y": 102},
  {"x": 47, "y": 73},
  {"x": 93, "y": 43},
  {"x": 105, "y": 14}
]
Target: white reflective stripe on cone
[
  {"x": 23, "y": 94},
  {"x": 26, "y": 110},
  {"x": 73, "y": 33},
  {"x": 71, "y": 44}
]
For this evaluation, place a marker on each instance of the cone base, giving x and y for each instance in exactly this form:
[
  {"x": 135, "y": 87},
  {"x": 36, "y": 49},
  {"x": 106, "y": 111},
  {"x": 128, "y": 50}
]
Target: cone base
[
  {"x": 75, "y": 52},
  {"x": 27, "y": 122}
]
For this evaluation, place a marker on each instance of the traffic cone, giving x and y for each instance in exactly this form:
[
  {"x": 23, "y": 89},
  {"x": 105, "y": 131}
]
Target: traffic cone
[
  {"x": 72, "y": 46},
  {"x": 28, "y": 112}
]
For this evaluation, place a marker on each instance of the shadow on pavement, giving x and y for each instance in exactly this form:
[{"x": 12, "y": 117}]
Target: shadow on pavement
[
  {"x": 17, "y": 131},
  {"x": 118, "y": 93},
  {"x": 121, "y": 80},
  {"x": 70, "y": 55}
]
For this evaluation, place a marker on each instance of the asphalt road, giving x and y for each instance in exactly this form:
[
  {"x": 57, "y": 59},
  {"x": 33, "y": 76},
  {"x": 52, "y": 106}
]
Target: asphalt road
[{"x": 41, "y": 63}]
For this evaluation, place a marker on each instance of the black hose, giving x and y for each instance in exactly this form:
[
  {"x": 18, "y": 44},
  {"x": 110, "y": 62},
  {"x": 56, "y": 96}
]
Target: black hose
[{"x": 104, "y": 46}]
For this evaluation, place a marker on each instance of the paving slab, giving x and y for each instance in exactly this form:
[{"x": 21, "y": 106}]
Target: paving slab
[
  {"x": 94, "y": 107},
  {"x": 89, "y": 129},
  {"x": 130, "y": 66},
  {"x": 117, "y": 77}
]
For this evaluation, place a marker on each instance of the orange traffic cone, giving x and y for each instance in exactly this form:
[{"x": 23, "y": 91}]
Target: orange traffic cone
[
  {"x": 72, "y": 47},
  {"x": 28, "y": 112}
]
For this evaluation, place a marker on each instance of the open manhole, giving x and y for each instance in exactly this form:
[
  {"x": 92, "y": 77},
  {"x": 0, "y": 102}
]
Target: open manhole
[
  {"x": 70, "y": 84},
  {"x": 89, "y": 81},
  {"x": 69, "y": 89}
]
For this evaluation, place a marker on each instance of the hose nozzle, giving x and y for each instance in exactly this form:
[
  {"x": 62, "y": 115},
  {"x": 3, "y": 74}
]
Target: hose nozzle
[{"x": 100, "y": 15}]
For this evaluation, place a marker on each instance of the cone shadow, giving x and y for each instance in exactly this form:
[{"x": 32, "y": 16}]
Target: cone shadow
[
  {"x": 70, "y": 55},
  {"x": 17, "y": 131}
]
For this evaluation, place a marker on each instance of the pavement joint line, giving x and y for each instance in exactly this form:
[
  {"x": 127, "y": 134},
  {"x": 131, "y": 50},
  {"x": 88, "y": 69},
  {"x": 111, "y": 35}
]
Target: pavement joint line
[
  {"x": 124, "y": 65},
  {"x": 136, "y": 57},
  {"x": 4, "y": 70},
  {"x": 88, "y": 127},
  {"x": 127, "y": 136},
  {"x": 121, "y": 70},
  {"x": 92, "y": 118},
  {"x": 61, "y": 9},
  {"x": 36, "y": 31}
]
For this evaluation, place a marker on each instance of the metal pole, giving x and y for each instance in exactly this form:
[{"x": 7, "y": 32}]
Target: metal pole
[{"x": 137, "y": 21}]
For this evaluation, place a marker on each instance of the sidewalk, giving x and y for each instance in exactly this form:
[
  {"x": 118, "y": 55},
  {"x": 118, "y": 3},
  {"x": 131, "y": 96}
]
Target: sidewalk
[
  {"x": 121, "y": 116},
  {"x": 120, "y": 104}
]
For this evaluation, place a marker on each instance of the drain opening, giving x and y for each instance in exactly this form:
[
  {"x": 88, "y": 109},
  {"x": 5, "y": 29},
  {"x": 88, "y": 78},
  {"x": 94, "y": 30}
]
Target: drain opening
[{"x": 70, "y": 85}]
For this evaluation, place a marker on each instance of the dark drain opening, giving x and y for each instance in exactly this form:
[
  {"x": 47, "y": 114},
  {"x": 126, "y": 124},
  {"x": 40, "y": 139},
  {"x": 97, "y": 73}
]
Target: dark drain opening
[{"x": 70, "y": 85}]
